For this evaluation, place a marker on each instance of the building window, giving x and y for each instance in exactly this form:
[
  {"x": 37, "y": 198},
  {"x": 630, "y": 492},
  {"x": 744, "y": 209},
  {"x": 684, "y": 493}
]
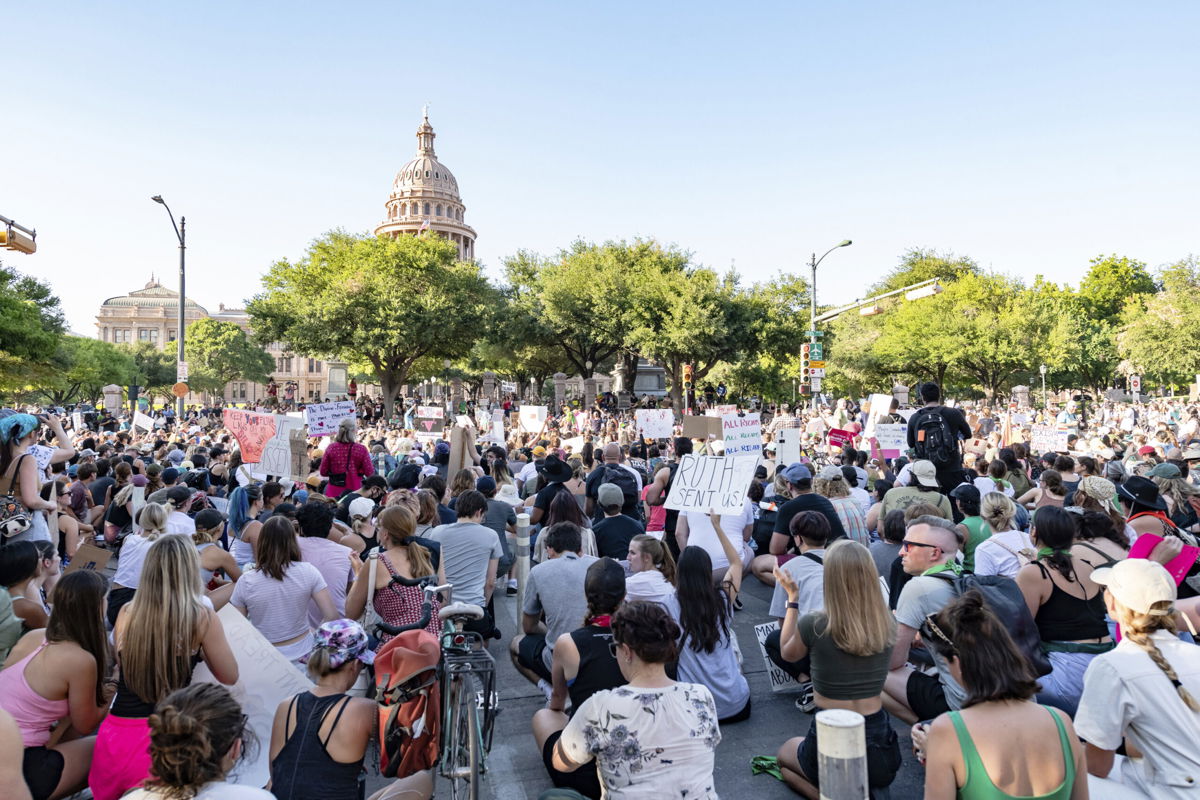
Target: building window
[
  {"x": 439, "y": 210},
  {"x": 121, "y": 335},
  {"x": 170, "y": 334},
  {"x": 148, "y": 335},
  {"x": 427, "y": 209}
]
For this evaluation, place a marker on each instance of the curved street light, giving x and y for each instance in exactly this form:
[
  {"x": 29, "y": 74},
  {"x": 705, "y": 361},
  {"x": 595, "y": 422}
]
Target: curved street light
[{"x": 181, "y": 235}]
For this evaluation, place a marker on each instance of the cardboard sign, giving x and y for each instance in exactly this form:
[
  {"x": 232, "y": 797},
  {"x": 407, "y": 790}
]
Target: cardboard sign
[
  {"x": 143, "y": 421},
  {"x": 655, "y": 423},
  {"x": 701, "y": 427},
  {"x": 892, "y": 439},
  {"x": 88, "y": 556},
  {"x": 323, "y": 418},
  {"x": 251, "y": 429},
  {"x": 429, "y": 422},
  {"x": 276, "y": 460},
  {"x": 703, "y": 483},
  {"x": 532, "y": 418},
  {"x": 787, "y": 446},
  {"x": 265, "y": 679},
  {"x": 1047, "y": 439},
  {"x": 975, "y": 446},
  {"x": 880, "y": 407},
  {"x": 840, "y": 438},
  {"x": 780, "y": 680},
  {"x": 726, "y": 408},
  {"x": 742, "y": 435}
]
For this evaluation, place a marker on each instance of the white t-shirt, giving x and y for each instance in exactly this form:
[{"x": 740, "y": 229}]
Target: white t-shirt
[
  {"x": 702, "y": 534},
  {"x": 650, "y": 585},
  {"x": 278, "y": 609},
  {"x": 217, "y": 790},
  {"x": 179, "y": 522},
  {"x": 1125, "y": 693},
  {"x": 648, "y": 742},
  {"x": 997, "y": 555}
]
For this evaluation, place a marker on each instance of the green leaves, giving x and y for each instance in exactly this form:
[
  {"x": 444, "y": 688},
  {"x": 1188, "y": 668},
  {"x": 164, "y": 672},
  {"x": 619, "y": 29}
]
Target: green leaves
[{"x": 219, "y": 352}]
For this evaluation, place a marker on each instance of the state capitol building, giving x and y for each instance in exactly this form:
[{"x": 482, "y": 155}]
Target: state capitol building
[{"x": 424, "y": 196}]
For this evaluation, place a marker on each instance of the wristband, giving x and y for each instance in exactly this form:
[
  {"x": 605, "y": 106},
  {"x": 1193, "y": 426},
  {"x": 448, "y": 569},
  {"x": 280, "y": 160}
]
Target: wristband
[{"x": 793, "y": 605}]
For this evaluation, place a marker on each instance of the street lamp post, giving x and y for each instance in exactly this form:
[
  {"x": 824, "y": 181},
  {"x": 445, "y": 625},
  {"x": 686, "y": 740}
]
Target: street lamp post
[
  {"x": 1045, "y": 401},
  {"x": 181, "y": 234},
  {"x": 812, "y": 297}
]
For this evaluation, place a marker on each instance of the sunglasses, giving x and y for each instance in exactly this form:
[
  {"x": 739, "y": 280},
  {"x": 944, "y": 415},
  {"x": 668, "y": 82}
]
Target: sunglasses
[
  {"x": 931, "y": 628},
  {"x": 908, "y": 544},
  {"x": 612, "y": 648}
]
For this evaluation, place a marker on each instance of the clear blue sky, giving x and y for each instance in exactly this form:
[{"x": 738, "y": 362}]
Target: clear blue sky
[{"x": 1029, "y": 136}]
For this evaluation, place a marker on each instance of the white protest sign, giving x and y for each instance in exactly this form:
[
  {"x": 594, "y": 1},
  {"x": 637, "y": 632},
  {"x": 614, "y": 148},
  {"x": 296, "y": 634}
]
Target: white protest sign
[
  {"x": 725, "y": 408},
  {"x": 703, "y": 483},
  {"x": 265, "y": 679},
  {"x": 464, "y": 420},
  {"x": 742, "y": 435},
  {"x": 574, "y": 444},
  {"x": 323, "y": 418},
  {"x": 508, "y": 387},
  {"x": 276, "y": 458},
  {"x": 76, "y": 421},
  {"x": 787, "y": 446},
  {"x": 143, "y": 421},
  {"x": 880, "y": 406},
  {"x": 655, "y": 423},
  {"x": 892, "y": 438},
  {"x": 780, "y": 680},
  {"x": 532, "y": 418},
  {"x": 429, "y": 422},
  {"x": 1048, "y": 439},
  {"x": 138, "y": 496}
]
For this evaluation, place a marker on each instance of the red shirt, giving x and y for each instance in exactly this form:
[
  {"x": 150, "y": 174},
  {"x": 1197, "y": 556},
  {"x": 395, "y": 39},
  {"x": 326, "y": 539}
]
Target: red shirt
[{"x": 352, "y": 459}]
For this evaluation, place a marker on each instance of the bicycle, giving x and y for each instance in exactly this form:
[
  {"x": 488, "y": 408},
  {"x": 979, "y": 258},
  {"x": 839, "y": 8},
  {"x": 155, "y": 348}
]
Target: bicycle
[{"x": 467, "y": 677}]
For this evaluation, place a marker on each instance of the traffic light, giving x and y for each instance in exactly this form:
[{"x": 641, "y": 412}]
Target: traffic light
[
  {"x": 805, "y": 362},
  {"x": 15, "y": 240},
  {"x": 687, "y": 377}
]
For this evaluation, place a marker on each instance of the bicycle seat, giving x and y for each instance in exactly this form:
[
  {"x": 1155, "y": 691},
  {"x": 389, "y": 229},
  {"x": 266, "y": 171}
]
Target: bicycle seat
[{"x": 468, "y": 610}]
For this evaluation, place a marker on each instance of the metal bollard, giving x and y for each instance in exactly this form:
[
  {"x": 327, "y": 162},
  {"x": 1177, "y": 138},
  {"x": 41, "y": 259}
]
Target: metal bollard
[
  {"x": 842, "y": 755},
  {"x": 521, "y": 566}
]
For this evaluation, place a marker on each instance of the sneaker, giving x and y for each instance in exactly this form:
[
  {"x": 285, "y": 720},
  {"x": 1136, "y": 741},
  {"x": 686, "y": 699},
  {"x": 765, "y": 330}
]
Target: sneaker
[
  {"x": 737, "y": 603},
  {"x": 546, "y": 688},
  {"x": 806, "y": 701},
  {"x": 512, "y": 587}
]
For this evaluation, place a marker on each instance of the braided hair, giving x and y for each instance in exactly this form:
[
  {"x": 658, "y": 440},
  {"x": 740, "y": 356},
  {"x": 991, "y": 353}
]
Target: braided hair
[{"x": 1137, "y": 627}]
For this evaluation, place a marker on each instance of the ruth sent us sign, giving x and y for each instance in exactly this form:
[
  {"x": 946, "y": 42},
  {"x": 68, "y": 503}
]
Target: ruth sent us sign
[{"x": 710, "y": 482}]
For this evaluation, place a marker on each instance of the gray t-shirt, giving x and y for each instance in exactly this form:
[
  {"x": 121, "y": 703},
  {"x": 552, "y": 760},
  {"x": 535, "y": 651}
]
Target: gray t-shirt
[
  {"x": 498, "y": 516},
  {"x": 466, "y": 549},
  {"x": 922, "y": 596},
  {"x": 809, "y": 576},
  {"x": 556, "y": 587}
]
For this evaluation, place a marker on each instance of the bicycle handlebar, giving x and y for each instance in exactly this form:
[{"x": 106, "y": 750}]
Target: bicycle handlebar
[{"x": 428, "y": 591}]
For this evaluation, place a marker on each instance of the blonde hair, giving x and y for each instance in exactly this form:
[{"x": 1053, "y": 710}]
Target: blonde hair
[
  {"x": 998, "y": 511},
  {"x": 397, "y": 524},
  {"x": 345, "y": 431},
  {"x": 831, "y": 488},
  {"x": 858, "y": 620},
  {"x": 464, "y": 481},
  {"x": 165, "y": 622},
  {"x": 153, "y": 520},
  {"x": 1137, "y": 627}
]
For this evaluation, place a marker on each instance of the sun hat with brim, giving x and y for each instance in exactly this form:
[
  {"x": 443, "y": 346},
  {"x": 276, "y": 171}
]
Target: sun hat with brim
[
  {"x": 1139, "y": 584},
  {"x": 1142, "y": 491},
  {"x": 345, "y": 640},
  {"x": 1098, "y": 488},
  {"x": 1166, "y": 471},
  {"x": 831, "y": 473},
  {"x": 924, "y": 473},
  {"x": 555, "y": 470}
]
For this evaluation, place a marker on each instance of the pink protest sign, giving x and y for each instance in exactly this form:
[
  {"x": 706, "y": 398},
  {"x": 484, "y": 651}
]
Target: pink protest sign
[
  {"x": 251, "y": 429},
  {"x": 1178, "y": 566},
  {"x": 840, "y": 438}
]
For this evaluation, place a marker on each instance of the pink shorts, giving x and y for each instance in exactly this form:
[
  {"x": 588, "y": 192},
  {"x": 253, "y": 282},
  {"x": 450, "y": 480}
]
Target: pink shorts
[{"x": 121, "y": 760}]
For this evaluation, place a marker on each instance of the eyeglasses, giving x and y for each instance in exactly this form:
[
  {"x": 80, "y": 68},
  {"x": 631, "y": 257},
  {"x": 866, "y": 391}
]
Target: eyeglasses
[
  {"x": 908, "y": 544},
  {"x": 612, "y": 648}
]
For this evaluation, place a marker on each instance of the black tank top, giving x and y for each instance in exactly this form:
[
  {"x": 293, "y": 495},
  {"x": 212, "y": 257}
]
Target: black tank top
[
  {"x": 304, "y": 770},
  {"x": 1067, "y": 618},
  {"x": 126, "y": 703},
  {"x": 598, "y": 668}
]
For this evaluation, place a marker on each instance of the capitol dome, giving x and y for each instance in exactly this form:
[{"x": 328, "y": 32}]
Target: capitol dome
[{"x": 425, "y": 197}]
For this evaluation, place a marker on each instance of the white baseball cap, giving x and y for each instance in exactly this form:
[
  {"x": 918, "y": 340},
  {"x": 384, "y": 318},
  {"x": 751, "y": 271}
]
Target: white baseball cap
[
  {"x": 1138, "y": 584},
  {"x": 924, "y": 473}
]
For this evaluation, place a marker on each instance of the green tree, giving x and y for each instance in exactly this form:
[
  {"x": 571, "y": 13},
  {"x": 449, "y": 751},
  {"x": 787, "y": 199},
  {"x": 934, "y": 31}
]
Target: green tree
[
  {"x": 385, "y": 302},
  {"x": 154, "y": 368},
  {"x": 1110, "y": 283},
  {"x": 1160, "y": 333},
  {"x": 83, "y": 366},
  {"x": 31, "y": 325},
  {"x": 219, "y": 352}
]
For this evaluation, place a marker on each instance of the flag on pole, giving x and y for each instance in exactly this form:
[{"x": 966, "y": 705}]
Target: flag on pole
[{"x": 424, "y": 226}]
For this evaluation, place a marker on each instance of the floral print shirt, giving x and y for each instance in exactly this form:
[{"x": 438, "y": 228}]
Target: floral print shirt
[{"x": 648, "y": 742}]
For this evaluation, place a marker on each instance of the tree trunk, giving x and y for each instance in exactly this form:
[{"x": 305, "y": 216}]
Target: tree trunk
[{"x": 389, "y": 384}]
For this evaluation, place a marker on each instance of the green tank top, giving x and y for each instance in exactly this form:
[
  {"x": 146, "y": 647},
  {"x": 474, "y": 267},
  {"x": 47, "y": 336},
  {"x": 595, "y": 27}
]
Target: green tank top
[
  {"x": 979, "y": 532},
  {"x": 979, "y": 786}
]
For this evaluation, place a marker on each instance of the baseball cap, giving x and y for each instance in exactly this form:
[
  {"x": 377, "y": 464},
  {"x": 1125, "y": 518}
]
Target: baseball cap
[
  {"x": 485, "y": 484},
  {"x": 361, "y": 507},
  {"x": 794, "y": 473},
  {"x": 831, "y": 473},
  {"x": 1138, "y": 584},
  {"x": 178, "y": 495},
  {"x": 539, "y": 451},
  {"x": 169, "y": 475},
  {"x": 139, "y": 480},
  {"x": 442, "y": 449},
  {"x": 87, "y": 452},
  {"x": 208, "y": 519},
  {"x": 1166, "y": 471},
  {"x": 345, "y": 640},
  {"x": 609, "y": 494},
  {"x": 1145, "y": 450},
  {"x": 924, "y": 473}
]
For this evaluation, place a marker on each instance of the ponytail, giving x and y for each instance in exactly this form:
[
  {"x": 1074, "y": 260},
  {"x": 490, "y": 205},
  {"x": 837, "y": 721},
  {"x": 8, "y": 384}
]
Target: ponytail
[
  {"x": 659, "y": 554},
  {"x": 1137, "y": 628}
]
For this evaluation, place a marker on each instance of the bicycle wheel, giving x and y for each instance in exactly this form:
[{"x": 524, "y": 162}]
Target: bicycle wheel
[{"x": 460, "y": 760}]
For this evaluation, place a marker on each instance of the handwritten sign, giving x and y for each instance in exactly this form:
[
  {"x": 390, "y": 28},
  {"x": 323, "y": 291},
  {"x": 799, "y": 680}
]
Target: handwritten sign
[
  {"x": 251, "y": 429},
  {"x": 892, "y": 438},
  {"x": 88, "y": 556},
  {"x": 726, "y": 408},
  {"x": 742, "y": 435},
  {"x": 143, "y": 421},
  {"x": 323, "y": 418},
  {"x": 429, "y": 422},
  {"x": 780, "y": 680},
  {"x": 1048, "y": 439},
  {"x": 702, "y": 483},
  {"x": 655, "y": 423},
  {"x": 265, "y": 679},
  {"x": 532, "y": 418},
  {"x": 508, "y": 387},
  {"x": 840, "y": 438}
]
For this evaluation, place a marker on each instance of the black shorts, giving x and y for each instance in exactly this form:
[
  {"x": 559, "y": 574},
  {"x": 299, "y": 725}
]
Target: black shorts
[
  {"x": 883, "y": 751},
  {"x": 43, "y": 769},
  {"x": 529, "y": 655},
  {"x": 585, "y": 780},
  {"x": 117, "y": 598},
  {"x": 926, "y": 697}
]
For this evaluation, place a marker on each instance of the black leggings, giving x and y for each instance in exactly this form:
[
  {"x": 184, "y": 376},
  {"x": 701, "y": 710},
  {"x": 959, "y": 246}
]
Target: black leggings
[{"x": 744, "y": 714}]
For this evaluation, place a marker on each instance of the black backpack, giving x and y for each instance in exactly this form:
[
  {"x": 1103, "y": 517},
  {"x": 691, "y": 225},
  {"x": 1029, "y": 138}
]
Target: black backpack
[
  {"x": 1004, "y": 598},
  {"x": 623, "y": 479},
  {"x": 935, "y": 440}
]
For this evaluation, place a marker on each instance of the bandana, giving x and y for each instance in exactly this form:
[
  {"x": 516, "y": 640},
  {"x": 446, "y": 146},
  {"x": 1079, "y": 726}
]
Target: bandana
[
  {"x": 346, "y": 640},
  {"x": 16, "y": 427}
]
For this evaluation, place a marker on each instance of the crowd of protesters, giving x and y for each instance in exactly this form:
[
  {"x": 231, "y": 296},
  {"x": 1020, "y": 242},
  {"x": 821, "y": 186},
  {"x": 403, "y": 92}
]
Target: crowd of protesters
[{"x": 968, "y": 586}]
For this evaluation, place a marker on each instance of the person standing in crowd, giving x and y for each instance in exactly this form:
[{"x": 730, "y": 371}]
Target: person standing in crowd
[
  {"x": 346, "y": 462},
  {"x": 935, "y": 432},
  {"x": 966, "y": 758},
  {"x": 652, "y": 737},
  {"x": 197, "y": 736},
  {"x": 159, "y": 637},
  {"x": 470, "y": 557},
  {"x": 848, "y": 647},
  {"x": 276, "y": 593},
  {"x": 613, "y": 470}
]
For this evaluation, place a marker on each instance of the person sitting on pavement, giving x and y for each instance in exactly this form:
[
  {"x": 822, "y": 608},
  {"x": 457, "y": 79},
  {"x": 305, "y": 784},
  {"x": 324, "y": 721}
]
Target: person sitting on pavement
[
  {"x": 1007, "y": 549},
  {"x": 799, "y": 483},
  {"x": 810, "y": 530},
  {"x": 614, "y": 532},
  {"x": 652, "y": 573},
  {"x": 470, "y": 556},
  {"x": 554, "y": 603}
]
